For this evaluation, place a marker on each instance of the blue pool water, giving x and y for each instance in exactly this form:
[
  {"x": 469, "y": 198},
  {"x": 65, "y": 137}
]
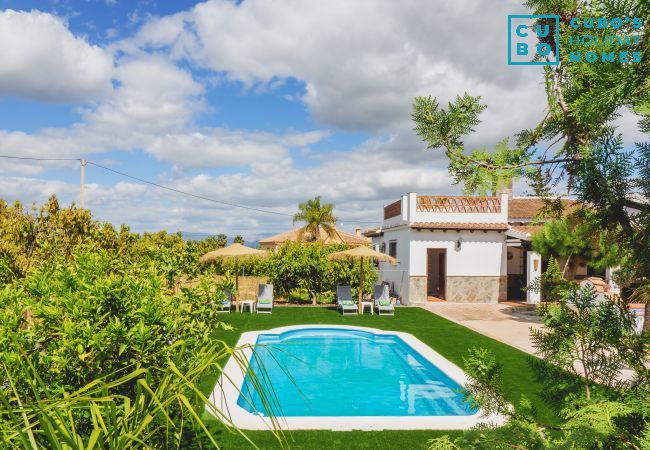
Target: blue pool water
[{"x": 338, "y": 372}]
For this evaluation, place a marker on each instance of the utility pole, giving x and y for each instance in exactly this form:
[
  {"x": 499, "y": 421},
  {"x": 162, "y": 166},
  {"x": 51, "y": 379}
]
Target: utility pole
[{"x": 83, "y": 179}]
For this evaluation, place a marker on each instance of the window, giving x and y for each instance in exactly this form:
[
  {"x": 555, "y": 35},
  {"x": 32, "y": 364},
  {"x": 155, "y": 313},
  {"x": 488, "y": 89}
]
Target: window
[
  {"x": 392, "y": 249},
  {"x": 382, "y": 247}
]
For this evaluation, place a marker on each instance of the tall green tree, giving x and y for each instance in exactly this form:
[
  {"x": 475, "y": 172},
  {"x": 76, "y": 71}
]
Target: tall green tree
[
  {"x": 239, "y": 239},
  {"x": 319, "y": 217},
  {"x": 575, "y": 143}
]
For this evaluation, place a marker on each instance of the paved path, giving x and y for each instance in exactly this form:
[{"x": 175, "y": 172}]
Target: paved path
[
  {"x": 503, "y": 322},
  {"x": 506, "y": 323}
]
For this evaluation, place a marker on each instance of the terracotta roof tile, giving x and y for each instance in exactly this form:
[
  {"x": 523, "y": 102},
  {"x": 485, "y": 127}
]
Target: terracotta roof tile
[
  {"x": 458, "y": 204},
  {"x": 527, "y": 207},
  {"x": 460, "y": 226},
  {"x": 372, "y": 232}
]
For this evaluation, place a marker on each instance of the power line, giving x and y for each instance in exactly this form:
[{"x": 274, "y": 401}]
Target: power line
[
  {"x": 178, "y": 191},
  {"x": 39, "y": 159}
]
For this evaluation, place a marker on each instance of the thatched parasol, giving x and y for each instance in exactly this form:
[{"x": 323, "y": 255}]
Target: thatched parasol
[
  {"x": 236, "y": 251},
  {"x": 362, "y": 252}
]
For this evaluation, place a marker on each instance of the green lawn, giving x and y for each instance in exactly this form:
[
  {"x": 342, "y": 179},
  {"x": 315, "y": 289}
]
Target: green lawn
[{"x": 447, "y": 338}]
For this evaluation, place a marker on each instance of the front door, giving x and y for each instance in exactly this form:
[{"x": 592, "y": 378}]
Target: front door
[{"x": 436, "y": 272}]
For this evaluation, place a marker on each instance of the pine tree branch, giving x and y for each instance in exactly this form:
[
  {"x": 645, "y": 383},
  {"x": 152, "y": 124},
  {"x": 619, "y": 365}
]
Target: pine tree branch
[{"x": 492, "y": 166}]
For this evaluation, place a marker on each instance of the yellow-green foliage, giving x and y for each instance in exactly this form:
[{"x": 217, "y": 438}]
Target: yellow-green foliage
[
  {"x": 305, "y": 266},
  {"x": 93, "y": 328}
]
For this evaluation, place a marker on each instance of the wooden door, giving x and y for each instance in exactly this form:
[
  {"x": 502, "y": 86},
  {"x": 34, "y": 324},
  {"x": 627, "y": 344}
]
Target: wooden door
[
  {"x": 436, "y": 272},
  {"x": 442, "y": 273}
]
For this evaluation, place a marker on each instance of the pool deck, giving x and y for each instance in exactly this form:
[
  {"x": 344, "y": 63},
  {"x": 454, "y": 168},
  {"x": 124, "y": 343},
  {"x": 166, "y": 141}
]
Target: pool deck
[{"x": 509, "y": 322}]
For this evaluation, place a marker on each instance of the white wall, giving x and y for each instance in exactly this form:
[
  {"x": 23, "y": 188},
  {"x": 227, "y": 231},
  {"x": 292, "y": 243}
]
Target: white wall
[
  {"x": 481, "y": 254},
  {"x": 424, "y": 216},
  {"x": 398, "y": 274},
  {"x": 410, "y": 214},
  {"x": 534, "y": 271}
]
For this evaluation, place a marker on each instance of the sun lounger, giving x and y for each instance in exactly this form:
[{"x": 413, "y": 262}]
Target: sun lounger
[
  {"x": 382, "y": 300},
  {"x": 265, "y": 298},
  {"x": 223, "y": 306},
  {"x": 344, "y": 300}
]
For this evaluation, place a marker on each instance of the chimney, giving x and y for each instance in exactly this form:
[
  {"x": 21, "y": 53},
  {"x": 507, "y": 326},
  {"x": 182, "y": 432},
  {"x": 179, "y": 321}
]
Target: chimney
[
  {"x": 357, "y": 231},
  {"x": 504, "y": 187}
]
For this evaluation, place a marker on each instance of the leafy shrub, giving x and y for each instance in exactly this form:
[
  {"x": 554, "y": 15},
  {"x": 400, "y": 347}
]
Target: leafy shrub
[
  {"x": 97, "y": 314},
  {"x": 305, "y": 266},
  {"x": 579, "y": 329},
  {"x": 584, "y": 346},
  {"x": 553, "y": 285},
  {"x": 577, "y": 238},
  {"x": 161, "y": 412}
]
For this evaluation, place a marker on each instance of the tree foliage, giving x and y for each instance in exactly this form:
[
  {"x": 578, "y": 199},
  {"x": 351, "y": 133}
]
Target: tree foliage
[
  {"x": 584, "y": 346},
  {"x": 582, "y": 336},
  {"x": 577, "y": 238},
  {"x": 552, "y": 284},
  {"x": 99, "y": 345},
  {"x": 318, "y": 217},
  {"x": 298, "y": 266}
]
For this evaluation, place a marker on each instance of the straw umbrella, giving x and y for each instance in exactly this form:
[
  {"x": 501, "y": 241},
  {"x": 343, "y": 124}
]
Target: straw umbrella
[
  {"x": 362, "y": 252},
  {"x": 236, "y": 251}
]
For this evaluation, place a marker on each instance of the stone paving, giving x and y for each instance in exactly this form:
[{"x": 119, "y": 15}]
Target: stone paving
[
  {"x": 503, "y": 321},
  {"x": 508, "y": 322}
]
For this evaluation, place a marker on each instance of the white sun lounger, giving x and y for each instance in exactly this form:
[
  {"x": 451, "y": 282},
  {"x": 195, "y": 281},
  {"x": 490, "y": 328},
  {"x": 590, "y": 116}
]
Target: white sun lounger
[
  {"x": 382, "y": 300},
  {"x": 265, "y": 298},
  {"x": 223, "y": 306},
  {"x": 344, "y": 300}
]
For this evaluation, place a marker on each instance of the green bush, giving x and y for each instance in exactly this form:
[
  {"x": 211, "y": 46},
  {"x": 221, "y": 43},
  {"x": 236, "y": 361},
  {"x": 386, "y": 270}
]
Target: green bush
[
  {"x": 99, "y": 346},
  {"x": 552, "y": 284},
  {"x": 297, "y": 266},
  {"x": 96, "y": 316},
  {"x": 577, "y": 238},
  {"x": 162, "y": 411}
]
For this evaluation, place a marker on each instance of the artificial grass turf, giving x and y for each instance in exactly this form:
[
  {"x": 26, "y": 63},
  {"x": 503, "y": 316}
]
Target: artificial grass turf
[{"x": 447, "y": 338}]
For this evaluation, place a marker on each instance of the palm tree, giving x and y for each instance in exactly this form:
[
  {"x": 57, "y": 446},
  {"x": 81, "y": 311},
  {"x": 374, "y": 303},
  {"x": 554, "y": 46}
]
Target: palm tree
[{"x": 319, "y": 217}]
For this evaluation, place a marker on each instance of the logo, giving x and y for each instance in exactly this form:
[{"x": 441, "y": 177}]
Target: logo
[
  {"x": 618, "y": 39},
  {"x": 528, "y": 40}
]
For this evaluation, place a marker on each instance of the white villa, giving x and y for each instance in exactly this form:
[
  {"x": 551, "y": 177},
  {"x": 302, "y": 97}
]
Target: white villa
[{"x": 460, "y": 249}]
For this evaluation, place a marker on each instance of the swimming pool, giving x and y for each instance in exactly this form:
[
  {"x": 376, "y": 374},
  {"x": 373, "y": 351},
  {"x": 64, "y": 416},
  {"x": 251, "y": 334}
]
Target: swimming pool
[
  {"x": 338, "y": 372},
  {"x": 338, "y": 377}
]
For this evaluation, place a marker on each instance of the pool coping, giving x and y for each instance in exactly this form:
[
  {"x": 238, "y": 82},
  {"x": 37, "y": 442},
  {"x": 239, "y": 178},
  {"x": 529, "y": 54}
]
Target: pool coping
[{"x": 223, "y": 400}]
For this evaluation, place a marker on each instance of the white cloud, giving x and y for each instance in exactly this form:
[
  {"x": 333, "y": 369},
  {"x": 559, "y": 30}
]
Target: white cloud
[
  {"x": 153, "y": 95},
  {"x": 296, "y": 139},
  {"x": 219, "y": 148},
  {"x": 34, "y": 190},
  {"x": 359, "y": 181},
  {"x": 362, "y": 62},
  {"x": 43, "y": 60}
]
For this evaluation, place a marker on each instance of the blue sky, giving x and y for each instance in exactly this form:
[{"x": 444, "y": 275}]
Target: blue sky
[
  {"x": 102, "y": 20},
  {"x": 258, "y": 103}
]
